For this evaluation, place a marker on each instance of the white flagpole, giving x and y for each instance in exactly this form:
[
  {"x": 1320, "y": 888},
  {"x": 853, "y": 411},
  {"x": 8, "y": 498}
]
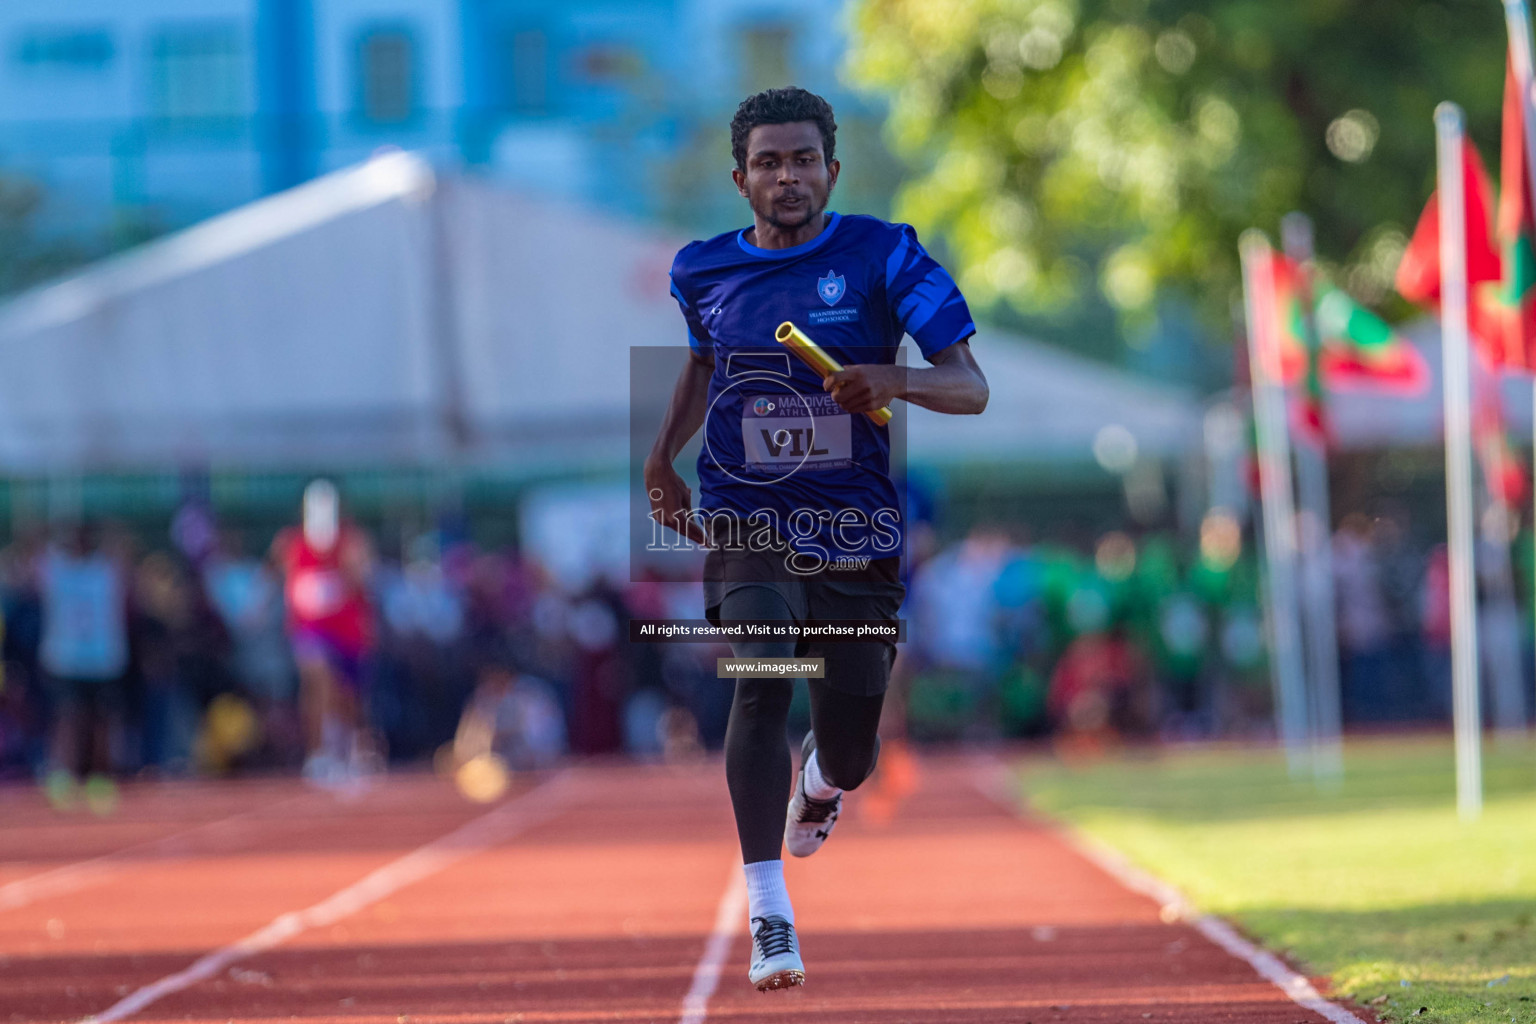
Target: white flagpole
[
  {"x": 1315, "y": 534},
  {"x": 1275, "y": 497},
  {"x": 1458, "y": 458}
]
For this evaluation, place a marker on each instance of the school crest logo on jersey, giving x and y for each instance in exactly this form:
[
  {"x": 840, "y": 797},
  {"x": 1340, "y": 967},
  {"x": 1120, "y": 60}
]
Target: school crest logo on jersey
[{"x": 830, "y": 288}]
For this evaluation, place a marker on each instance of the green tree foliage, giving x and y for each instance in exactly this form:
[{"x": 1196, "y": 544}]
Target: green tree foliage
[
  {"x": 1063, "y": 145},
  {"x": 31, "y": 255},
  {"x": 26, "y": 259}
]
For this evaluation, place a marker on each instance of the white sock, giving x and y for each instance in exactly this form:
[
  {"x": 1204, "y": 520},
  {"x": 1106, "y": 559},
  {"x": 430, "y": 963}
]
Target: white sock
[
  {"x": 766, "y": 894},
  {"x": 817, "y": 787}
]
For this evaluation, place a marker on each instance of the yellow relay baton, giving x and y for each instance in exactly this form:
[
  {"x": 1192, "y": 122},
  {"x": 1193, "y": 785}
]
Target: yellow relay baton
[{"x": 814, "y": 356}]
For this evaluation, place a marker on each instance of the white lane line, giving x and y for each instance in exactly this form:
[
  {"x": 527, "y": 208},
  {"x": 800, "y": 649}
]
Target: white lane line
[
  {"x": 995, "y": 780},
  {"x": 69, "y": 878},
  {"x": 729, "y": 919},
  {"x": 490, "y": 829}
]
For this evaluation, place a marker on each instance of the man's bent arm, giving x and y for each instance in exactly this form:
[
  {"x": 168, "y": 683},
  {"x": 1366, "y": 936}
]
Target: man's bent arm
[
  {"x": 953, "y": 384},
  {"x": 670, "y": 499},
  {"x": 685, "y": 414}
]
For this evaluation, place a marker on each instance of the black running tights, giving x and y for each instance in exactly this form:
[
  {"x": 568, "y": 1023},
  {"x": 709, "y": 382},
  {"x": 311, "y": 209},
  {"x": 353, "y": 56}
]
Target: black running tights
[{"x": 758, "y": 767}]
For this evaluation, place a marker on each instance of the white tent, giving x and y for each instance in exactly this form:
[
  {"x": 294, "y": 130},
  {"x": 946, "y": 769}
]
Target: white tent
[
  {"x": 386, "y": 315},
  {"x": 1048, "y": 405},
  {"x": 378, "y": 315}
]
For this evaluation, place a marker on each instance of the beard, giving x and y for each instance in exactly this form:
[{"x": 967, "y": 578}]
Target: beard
[{"x": 813, "y": 209}]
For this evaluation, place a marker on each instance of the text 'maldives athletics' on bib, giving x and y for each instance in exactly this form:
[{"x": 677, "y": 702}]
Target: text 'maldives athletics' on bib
[{"x": 776, "y": 445}]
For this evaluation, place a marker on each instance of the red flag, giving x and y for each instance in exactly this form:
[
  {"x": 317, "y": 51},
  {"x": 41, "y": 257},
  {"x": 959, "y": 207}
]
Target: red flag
[
  {"x": 1516, "y": 298},
  {"x": 1418, "y": 275}
]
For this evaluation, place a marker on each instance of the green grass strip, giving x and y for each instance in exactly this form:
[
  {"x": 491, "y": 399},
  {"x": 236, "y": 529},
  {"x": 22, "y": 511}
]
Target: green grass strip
[{"x": 1373, "y": 883}]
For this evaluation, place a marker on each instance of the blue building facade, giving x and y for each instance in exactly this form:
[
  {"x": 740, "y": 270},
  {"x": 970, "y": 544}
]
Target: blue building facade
[{"x": 171, "y": 110}]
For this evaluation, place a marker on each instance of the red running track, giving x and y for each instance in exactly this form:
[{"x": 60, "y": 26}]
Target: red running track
[{"x": 589, "y": 897}]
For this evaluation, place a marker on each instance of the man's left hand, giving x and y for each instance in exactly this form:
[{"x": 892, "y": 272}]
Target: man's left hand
[{"x": 865, "y": 388}]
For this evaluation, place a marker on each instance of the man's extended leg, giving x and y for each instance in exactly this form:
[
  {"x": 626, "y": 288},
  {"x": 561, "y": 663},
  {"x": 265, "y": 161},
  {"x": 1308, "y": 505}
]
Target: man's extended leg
[
  {"x": 757, "y": 772},
  {"x": 758, "y": 766}
]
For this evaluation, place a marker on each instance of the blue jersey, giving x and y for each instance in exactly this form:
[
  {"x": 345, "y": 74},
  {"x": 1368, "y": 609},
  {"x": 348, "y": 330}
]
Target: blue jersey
[{"x": 776, "y": 445}]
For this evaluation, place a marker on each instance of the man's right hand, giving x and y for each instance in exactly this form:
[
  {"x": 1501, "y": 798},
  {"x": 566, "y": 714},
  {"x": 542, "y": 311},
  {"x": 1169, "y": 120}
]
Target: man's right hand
[{"x": 671, "y": 500}]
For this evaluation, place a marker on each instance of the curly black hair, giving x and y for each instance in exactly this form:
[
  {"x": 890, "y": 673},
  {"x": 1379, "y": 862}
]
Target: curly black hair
[{"x": 782, "y": 106}]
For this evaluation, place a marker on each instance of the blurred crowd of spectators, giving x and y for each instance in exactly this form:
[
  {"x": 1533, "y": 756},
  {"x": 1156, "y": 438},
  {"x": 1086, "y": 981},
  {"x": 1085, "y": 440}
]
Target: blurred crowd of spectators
[
  {"x": 1143, "y": 637},
  {"x": 120, "y": 659}
]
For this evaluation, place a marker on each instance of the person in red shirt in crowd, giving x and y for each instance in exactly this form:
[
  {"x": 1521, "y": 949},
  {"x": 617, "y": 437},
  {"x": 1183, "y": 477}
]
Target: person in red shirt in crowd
[
  {"x": 1101, "y": 693},
  {"x": 326, "y": 564}
]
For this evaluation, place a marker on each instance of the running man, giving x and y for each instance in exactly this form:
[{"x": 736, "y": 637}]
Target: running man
[
  {"x": 326, "y": 563},
  {"x": 797, "y": 506}
]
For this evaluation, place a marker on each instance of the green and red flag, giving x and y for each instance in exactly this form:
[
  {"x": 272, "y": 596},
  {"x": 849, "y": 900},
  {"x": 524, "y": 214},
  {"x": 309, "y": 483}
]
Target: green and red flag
[
  {"x": 1358, "y": 351},
  {"x": 1298, "y": 359},
  {"x": 1361, "y": 352},
  {"x": 1515, "y": 298},
  {"x": 1418, "y": 275},
  {"x": 1310, "y": 413}
]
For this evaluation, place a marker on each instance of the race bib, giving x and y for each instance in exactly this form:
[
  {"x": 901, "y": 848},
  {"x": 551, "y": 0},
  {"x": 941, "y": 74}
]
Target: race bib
[{"x": 784, "y": 432}]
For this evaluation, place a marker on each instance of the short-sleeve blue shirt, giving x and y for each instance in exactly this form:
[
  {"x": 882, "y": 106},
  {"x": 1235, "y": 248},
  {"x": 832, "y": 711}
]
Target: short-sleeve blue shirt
[{"x": 776, "y": 444}]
